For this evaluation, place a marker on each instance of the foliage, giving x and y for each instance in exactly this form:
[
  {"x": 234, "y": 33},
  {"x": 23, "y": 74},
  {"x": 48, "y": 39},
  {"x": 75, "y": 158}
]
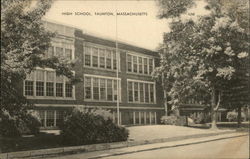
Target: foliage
[
  {"x": 26, "y": 124},
  {"x": 24, "y": 42},
  {"x": 232, "y": 116},
  {"x": 89, "y": 126},
  {"x": 201, "y": 55},
  {"x": 174, "y": 120}
]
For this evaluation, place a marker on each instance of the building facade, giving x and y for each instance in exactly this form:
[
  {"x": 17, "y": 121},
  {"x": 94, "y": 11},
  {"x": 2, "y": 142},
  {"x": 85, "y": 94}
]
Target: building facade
[{"x": 107, "y": 75}]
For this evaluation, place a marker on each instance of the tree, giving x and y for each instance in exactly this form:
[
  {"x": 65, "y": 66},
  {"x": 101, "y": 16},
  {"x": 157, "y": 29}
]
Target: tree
[
  {"x": 24, "y": 42},
  {"x": 201, "y": 53}
]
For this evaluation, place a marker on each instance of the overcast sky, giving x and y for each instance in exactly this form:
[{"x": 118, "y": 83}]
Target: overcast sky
[{"x": 145, "y": 31}]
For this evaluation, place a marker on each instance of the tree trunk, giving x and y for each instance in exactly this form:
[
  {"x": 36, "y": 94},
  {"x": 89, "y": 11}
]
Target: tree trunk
[
  {"x": 213, "y": 111},
  {"x": 239, "y": 116}
]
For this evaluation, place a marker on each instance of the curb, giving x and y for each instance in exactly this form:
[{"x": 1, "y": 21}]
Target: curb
[
  {"x": 161, "y": 147},
  {"x": 97, "y": 147}
]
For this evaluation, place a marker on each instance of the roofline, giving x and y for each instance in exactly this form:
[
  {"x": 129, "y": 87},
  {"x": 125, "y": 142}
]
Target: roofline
[{"x": 97, "y": 35}]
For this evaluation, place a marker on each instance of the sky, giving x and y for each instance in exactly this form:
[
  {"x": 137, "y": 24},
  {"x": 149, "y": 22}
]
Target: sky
[{"x": 144, "y": 31}]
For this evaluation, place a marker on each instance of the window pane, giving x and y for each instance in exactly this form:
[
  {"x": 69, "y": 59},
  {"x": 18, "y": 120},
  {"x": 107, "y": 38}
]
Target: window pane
[
  {"x": 129, "y": 63},
  {"x": 50, "y": 118},
  {"x": 39, "y": 88},
  {"x": 39, "y": 75},
  {"x": 87, "y": 54},
  {"x": 49, "y": 89},
  {"x": 94, "y": 57},
  {"x": 114, "y": 60},
  {"x": 59, "y": 89},
  {"x": 146, "y": 93},
  {"x": 151, "y": 93},
  {"x": 96, "y": 88},
  {"x": 50, "y": 52},
  {"x": 141, "y": 93},
  {"x": 108, "y": 59},
  {"x": 109, "y": 90},
  {"x": 59, "y": 51},
  {"x": 68, "y": 53},
  {"x": 87, "y": 84},
  {"x": 135, "y": 63},
  {"x": 140, "y": 64},
  {"x": 102, "y": 58},
  {"x": 102, "y": 89},
  {"x": 29, "y": 88},
  {"x": 42, "y": 117},
  {"x": 59, "y": 117},
  {"x": 50, "y": 76},
  {"x": 130, "y": 92},
  {"x": 68, "y": 89},
  {"x": 136, "y": 92},
  {"x": 145, "y": 60},
  {"x": 115, "y": 89},
  {"x": 150, "y": 66}
]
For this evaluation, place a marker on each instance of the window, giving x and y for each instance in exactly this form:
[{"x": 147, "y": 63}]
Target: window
[
  {"x": 59, "y": 117},
  {"x": 145, "y": 60},
  {"x": 39, "y": 83},
  {"x": 150, "y": 66},
  {"x": 142, "y": 92},
  {"x": 87, "y": 56},
  {"x": 68, "y": 54},
  {"x": 96, "y": 88},
  {"x": 29, "y": 88},
  {"x": 136, "y": 92},
  {"x": 87, "y": 84},
  {"x": 130, "y": 91},
  {"x": 50, "y": 84},
  {"x": 46, "y": 84},
  {"x": 42, "y": 117},
  {"x": 68, "y": 89},
  {"x": 102, "y": 58},
  {"x": 108, "y": 59},
  {"x": 135, "y": 63},
  {"x": 95, "y": 57},
  {"x": 140, "y": 64},
  {"x": 51, "y": 118},
  {"x": 129, "y": 63},
  {"x": 109, "y": 90},
  {"x": 104, "y": 89}
]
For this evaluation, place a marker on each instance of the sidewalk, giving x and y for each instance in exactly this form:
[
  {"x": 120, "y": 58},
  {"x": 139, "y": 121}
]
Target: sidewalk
[{"x": 139, "y": 135}]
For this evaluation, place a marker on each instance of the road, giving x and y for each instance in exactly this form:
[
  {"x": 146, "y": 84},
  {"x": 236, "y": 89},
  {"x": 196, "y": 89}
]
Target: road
[{"x": 235, "y": 148}]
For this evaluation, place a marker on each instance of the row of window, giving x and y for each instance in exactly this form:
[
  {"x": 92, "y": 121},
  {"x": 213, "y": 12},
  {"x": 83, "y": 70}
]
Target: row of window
[
  {"x": 101, "y": 58},
  {"x": 101, "y": 89},
  {"x": 141, "y": 92},
  {"x": 59, "y": 51},
  {"x": 48, "y": 84},
  {"x": 138, "y": 64},
  {"x": 50, "y": 118},
  {"x": 138, "y": 118}
]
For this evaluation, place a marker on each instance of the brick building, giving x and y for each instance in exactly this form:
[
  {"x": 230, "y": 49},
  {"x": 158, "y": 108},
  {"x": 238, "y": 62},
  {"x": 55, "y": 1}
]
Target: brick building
[{"x": 140, "y": 97}]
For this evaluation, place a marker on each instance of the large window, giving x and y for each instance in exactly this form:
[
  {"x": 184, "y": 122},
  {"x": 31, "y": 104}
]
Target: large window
[
  {"x": 46, "y": 84},
  {"x": 141, "y": 91},
  {"x": 51, "y": 118},
  {"x": 104, "y": 88},
  {"x": 139, "y": 64},
  {"x": 101, "y": 58}
]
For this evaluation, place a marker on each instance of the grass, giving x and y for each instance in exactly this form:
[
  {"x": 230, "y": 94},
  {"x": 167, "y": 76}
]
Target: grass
[{"x": 40, "y": 141}]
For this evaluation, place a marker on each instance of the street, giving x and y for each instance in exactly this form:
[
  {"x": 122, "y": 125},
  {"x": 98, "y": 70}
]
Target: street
[{"x": 236, "y": 148}]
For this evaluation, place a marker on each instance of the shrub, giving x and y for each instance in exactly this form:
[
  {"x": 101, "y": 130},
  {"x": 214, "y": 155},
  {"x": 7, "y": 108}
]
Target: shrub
[
  {"x": 89, "y": 126},
  {"x": 13, "y": 127},
  {"x": 174, "y": 120},
  {"x": 233, "y": 115}
]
